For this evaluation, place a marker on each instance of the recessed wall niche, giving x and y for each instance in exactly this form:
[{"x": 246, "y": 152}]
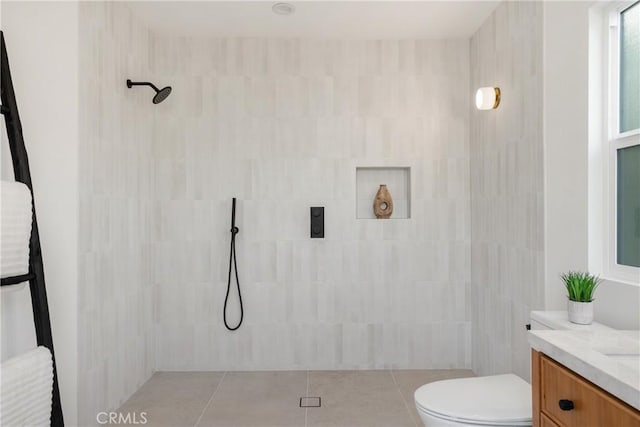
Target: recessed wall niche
[{"x": 398, "y": 182}]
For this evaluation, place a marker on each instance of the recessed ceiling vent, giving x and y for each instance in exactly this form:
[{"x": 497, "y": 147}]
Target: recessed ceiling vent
[{"x": 283, "y": 8}]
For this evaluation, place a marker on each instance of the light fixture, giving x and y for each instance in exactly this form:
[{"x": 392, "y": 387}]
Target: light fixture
[
  {"x": 283, "y": 8},
  {"x": 487, "y": 98}
]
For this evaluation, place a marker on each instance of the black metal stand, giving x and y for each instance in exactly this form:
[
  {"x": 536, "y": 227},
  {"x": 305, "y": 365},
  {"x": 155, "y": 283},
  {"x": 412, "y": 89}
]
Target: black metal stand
[{"x": 36, "y": 271}]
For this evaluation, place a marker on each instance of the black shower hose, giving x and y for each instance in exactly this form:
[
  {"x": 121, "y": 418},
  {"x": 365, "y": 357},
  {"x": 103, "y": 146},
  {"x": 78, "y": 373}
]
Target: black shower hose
[{"x": 233, "y": 264}]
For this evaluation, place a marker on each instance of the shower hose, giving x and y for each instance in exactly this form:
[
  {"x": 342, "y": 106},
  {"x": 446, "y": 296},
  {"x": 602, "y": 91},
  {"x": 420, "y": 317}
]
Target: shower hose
[{"x": 233, "y": 265}]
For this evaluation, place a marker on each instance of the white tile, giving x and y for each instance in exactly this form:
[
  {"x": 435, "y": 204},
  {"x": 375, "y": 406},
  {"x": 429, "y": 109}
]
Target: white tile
[
  {"x": 506, "y": 184},
  {"x": 279, "y": 124}
]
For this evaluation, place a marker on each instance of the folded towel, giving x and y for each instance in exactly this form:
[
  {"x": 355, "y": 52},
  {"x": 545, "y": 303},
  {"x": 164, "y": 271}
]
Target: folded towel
[
  {"x": 15, "y": 228},
  {"x": 26, "y": 388}
]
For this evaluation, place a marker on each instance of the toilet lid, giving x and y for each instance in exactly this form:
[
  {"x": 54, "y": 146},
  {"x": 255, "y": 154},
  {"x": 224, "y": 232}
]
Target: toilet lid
[{"x": 497, "y": 398}]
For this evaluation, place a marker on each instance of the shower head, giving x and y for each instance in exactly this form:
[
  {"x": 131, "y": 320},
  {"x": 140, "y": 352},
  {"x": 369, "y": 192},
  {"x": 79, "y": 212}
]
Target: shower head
[{"x": 161, "y": 94}]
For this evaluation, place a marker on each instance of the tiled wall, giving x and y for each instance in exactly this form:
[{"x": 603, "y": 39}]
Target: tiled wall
[
  {"x": 115, "y": 321},
  {"x": 282, "y": 126},
  {"x": 507, "y": 221}
]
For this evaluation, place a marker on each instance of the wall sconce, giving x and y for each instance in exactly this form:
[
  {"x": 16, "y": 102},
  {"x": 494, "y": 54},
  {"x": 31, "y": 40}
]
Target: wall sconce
[{"x": 487, "y": 98}]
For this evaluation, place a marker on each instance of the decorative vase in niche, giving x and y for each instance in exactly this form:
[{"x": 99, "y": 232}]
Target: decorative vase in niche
[{"x": 383, "y": 203}]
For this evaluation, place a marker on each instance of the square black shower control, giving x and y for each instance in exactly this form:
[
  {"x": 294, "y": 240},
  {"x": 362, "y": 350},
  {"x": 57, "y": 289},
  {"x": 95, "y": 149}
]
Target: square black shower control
[{"x": 317, "y": 222}]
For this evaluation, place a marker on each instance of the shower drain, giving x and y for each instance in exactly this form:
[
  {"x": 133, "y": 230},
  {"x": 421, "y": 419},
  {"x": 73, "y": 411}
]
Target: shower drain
[{"x": 310, "y": 402}]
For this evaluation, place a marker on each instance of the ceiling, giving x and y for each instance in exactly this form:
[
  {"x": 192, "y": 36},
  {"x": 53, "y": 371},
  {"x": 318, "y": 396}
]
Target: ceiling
[{"x": 316, "y": 19}]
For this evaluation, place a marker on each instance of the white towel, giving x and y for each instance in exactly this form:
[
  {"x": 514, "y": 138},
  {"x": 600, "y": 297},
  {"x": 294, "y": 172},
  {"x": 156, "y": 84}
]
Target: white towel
[
  {"x": 15, "y": 228},
  {"x": 26, "y": 385}
]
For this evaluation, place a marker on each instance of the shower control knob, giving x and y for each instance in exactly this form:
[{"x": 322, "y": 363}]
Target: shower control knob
[{"x": 317, "y": 222}]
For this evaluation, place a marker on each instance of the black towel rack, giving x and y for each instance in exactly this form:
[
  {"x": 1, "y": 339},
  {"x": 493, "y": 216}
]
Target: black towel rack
[{"x": 9, "y": 110}]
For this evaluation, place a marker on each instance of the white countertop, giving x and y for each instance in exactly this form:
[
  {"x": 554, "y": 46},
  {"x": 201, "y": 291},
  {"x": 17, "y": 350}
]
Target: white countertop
[
  {"x": 608, "y": 358},
  {"x": 559, "y": 321}
]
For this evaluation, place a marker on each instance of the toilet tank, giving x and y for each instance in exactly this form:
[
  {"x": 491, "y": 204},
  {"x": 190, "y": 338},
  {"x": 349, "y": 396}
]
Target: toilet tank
[{"x": 559, "y": 320}]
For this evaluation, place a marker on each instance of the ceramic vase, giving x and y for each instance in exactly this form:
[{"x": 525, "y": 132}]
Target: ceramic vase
[
  {"x": 383, "y": 203},
  {"x": 580, "y": 312}
]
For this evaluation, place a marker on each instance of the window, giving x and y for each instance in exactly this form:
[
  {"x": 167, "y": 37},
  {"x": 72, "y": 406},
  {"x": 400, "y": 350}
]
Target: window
[
  {"x": 628, "y": 206},
  {"x": 624, "y": 143},
  {"x": 630, "y": 69}
]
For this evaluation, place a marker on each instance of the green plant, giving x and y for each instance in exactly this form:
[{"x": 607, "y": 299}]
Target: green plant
[{"x": 580, "y": 286}]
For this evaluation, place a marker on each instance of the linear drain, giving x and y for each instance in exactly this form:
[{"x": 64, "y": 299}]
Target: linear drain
[{"x": 310, "y": 402}]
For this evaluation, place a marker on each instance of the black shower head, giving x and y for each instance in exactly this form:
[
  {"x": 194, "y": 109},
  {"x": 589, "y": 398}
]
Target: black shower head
[{"x": 161, "y": 94}]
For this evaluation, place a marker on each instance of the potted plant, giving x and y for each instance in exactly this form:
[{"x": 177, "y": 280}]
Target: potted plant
[{"x": 580, "y": 288}]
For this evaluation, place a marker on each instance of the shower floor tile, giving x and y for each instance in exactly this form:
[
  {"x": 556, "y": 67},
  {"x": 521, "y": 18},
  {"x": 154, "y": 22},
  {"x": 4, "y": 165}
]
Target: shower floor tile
[
  {"x": 358, "y": 398},
  {"x": 272, "y": 398},
  {"x": 255, "y": 399},
  {"x": 172, "y": 398}
]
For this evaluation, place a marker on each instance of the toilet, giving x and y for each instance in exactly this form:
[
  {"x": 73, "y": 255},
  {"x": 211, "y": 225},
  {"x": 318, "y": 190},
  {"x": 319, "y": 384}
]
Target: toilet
[{"x": 495, "y": 400}]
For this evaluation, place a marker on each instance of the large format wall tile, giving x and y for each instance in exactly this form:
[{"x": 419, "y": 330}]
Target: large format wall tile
[
  {"x": 116, "y": 336},
  {"x": 507, "y": 222},
  {"x": 282, "y": 126}
]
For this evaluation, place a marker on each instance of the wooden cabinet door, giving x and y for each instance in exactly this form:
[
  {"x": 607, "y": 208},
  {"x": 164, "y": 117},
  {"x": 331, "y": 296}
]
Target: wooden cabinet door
[
  {"x": 592, "y": 406},
  {"x": 546, "y": 421}
]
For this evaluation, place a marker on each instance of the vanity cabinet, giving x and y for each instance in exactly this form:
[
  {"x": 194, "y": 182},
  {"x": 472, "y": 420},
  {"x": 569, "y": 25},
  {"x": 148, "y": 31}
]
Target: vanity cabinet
[{"x": 563, "y": 398}]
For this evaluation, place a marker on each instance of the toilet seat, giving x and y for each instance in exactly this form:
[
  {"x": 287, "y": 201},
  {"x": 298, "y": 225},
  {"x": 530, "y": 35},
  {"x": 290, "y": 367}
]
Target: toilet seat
[
  {"x": 465, "y": 422},
  {"x": 497, "y": 400}
]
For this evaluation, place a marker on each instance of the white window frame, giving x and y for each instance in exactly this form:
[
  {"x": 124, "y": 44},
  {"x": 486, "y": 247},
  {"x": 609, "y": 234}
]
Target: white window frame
[{"x": 614, "y": 140}]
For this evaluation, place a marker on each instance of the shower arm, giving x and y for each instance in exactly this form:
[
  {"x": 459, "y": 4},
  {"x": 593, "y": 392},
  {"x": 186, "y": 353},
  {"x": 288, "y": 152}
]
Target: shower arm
[{"x": 130, "y": 84}]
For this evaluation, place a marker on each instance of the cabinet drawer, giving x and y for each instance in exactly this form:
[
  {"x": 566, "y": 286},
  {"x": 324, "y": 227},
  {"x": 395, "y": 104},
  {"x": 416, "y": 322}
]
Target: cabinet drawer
[
  {"x": 546, "y": 421},
  {"x": 592, "y": 406}
]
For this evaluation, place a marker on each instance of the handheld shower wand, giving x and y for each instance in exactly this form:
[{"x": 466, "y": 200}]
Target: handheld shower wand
[{"x": 233, "y": 264}]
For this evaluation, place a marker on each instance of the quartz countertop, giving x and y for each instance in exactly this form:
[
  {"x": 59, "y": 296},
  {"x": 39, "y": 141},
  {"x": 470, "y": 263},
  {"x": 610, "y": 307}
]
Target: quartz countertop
[{"x": 608, "y": 358}]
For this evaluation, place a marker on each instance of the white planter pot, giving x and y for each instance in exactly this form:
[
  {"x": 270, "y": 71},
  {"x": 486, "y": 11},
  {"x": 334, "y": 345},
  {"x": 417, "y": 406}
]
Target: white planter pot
[{"x": 580, "y": 312}]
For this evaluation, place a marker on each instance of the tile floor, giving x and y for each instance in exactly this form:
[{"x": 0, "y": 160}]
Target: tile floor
[{"x": 272, "y": 398}]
